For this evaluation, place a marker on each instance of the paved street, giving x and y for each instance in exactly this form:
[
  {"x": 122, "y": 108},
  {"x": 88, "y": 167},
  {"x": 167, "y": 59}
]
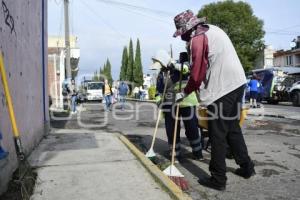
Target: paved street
[
  {"x": 274, "y": 145},
  {"x": 282, "y": 110}
]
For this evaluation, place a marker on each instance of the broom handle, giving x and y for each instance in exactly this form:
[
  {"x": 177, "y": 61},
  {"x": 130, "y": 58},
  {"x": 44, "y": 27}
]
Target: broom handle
[
  {"x": 176, "y": 119},
  {"x": 175, "y": 135},
  {"x": 159, "y": 112},
  {"x": 8, "y": 99}
]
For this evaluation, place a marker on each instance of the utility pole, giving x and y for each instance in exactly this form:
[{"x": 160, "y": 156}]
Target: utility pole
[
  {"x": 67, "y": 41},
  {"x": 171, "y": 51}
]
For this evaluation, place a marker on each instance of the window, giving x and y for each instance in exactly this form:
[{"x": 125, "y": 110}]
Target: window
[
  {"x": 289, "y": 60},
  {"x": 95, "y": 86}
]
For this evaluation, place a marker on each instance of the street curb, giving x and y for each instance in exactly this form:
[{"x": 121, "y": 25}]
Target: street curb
[
  {"x": 174, "y": 190},
  {"x": 147, "y": 101}
]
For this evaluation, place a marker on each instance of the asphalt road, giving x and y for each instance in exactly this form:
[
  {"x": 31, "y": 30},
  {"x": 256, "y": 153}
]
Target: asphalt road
[
  {"x": 273, "y": 144},
  {"x": 283, "y": 109}
]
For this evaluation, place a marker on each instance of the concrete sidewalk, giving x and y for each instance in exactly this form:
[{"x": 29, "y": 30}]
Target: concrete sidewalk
[
  {"x": 90, "y": 165},
  {"x": 277, "y": 111}
]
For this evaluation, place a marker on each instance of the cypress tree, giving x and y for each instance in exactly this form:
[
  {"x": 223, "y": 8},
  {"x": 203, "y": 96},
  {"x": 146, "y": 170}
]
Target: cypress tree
[
  {"x": 138, "y": 68},
  {"x": 129, "y": 70},
  {"x": 123, "y": 69},
  {"x": 95, "y": 78},
  {"x": 108, "y": 71},
  {"x": 102, "y": 73}
]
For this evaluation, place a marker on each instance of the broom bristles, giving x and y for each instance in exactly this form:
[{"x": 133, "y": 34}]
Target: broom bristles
[{"x": 180, "y": 182}]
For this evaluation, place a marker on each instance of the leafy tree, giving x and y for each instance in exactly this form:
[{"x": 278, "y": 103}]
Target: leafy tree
[
  {"x": 242, "y": 26},
  {"x": 124, "y": 64},
  {"x": 138, "y": 68},
  {"x": 129, "y": 70}
]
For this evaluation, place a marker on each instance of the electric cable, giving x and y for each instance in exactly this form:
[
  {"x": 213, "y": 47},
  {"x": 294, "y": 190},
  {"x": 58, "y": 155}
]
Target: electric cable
[
  {"x": 135, "y": 7},
  {"x": 103, "y": 20}
]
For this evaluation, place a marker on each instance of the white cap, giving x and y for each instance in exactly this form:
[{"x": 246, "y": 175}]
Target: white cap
[
  {"x": 163, "y": 57},
  {"x": 155, "y": 66}
]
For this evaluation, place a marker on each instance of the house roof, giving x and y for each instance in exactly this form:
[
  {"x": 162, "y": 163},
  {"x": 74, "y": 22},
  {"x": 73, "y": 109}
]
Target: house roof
[{"x": 288, "y": 52}]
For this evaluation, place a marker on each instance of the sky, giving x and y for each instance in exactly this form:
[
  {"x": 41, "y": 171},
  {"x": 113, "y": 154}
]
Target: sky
[{"x": 103, "y": 29}]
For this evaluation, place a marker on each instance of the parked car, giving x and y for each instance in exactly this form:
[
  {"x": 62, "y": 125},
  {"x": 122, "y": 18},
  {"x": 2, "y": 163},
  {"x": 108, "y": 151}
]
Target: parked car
[
  {"x": 294, "y": 90},
  {"x": 81, "y": 98}
]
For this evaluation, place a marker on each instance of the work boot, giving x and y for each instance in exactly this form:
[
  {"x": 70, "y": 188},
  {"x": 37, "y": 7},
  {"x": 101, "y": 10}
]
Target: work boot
[
  {"x": 212, "y": 183},
  {"x": 246, "y": 171},
  {"x": 198, "y": 155},
  {"x": 178, "y": 159}
]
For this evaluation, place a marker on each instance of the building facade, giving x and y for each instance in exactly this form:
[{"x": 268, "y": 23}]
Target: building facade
[
  {"x": 265, "y": 59},
  {"x": 289, "y": 58},
  {"x": 23, "y": 33},
  {"x": 57, "y": 69}
]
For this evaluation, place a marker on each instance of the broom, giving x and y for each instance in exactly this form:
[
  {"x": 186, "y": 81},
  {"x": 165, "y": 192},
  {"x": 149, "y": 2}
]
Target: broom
[
  {"x": 24, "y": 170},
  {"x": 171, "y": 171},
  {"x": 151, "y": 154}
]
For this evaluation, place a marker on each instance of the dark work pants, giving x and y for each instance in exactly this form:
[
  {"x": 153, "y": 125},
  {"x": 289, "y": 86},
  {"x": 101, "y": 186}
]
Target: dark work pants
[
  {"x": 223, "y": 130},
  {"x": 188, "y": 115}
]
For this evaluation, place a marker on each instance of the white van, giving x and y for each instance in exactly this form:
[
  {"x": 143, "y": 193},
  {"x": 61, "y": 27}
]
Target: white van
[{"x": 94, "y": 91}]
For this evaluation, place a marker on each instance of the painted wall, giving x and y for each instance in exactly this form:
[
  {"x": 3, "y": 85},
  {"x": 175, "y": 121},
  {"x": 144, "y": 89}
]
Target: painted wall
[
  {"x": 279, "y": 61},
  {"x": 23, "y": 38}
]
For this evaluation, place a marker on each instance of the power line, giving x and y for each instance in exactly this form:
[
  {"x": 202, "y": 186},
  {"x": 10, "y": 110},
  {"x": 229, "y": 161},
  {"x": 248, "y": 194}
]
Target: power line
[
  {"x": 289, "y": 27},
  {"x": 285, "y": 30},
  {"x": 140, "y": 8},
  {"x": 140, "y": 13},
  {"x": 103, "y": 20},
  {"x": 143, "y": 14},
  {"x": 281, "y": 33}
]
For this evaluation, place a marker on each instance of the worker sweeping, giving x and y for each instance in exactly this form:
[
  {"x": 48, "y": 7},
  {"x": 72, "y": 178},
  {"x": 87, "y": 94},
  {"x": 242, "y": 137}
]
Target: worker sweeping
[
  {"x": 187, "y": 111},
  {"x": 217, "y": 73}
]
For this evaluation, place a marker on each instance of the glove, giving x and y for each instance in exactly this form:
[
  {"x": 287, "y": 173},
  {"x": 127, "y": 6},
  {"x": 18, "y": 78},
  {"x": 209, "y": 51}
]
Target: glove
[
  {"x": 180, "y": 96},
  {"x": 171, "y": 65},
  {"x": 177, "y": 66},
  {"x": 158, "y": 103},
  {"x": 158, "y": 100}
]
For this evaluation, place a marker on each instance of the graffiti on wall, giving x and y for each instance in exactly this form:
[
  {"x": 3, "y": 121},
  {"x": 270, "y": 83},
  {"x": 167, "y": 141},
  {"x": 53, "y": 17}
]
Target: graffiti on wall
[{"x": 8, "y": 18}]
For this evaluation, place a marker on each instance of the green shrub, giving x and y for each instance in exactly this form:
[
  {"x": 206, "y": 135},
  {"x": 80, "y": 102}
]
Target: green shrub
[{"x": 151, "y": 92}]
